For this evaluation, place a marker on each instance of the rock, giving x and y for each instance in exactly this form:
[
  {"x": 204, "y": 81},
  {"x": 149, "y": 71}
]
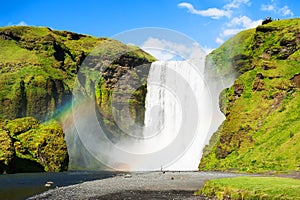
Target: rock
[
  {"x": 8, "y": 34},
  {"x": 266, "y": 21},
  {"x": 49, "y": 184},
  {"x": 265, "y": 29},
  {"x": 259, "y": 83},
  {"x": 296, "y": 80},
  {"x": 118, "y": 89},
  {"x": 265, "y": 56},
  {"x": 267, "y": 66},
  {"x": 238, "y": 89},
  {"x": 239, "y": 62},
  {"x": 259, "y": 76},
  {"x": 127, "y": 176}
]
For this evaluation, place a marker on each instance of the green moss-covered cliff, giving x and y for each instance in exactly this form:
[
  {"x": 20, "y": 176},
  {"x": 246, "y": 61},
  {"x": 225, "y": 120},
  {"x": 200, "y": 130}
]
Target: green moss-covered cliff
[
  {"x": 123, "y": 85},
  {"x": 28, "y": 146},
  {"x": 262, "y": 108},
  {"x": 38, "y": 69}
]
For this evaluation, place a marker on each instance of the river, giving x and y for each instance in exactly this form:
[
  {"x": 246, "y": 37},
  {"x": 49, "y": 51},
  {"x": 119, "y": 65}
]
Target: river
[{"x": 23, "y": 185}]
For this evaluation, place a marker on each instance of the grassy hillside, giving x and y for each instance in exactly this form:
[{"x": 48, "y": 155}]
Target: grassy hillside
[
  {"x": 262, "y": 108},
  {"x": 38, "y": 67}
]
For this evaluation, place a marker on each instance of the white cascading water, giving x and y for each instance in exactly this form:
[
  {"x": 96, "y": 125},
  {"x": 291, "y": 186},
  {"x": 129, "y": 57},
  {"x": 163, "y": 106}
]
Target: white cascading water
[{"x": 177, "y": 106}]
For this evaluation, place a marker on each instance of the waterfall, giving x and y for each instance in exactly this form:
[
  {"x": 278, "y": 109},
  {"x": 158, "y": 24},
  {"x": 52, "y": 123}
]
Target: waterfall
[{"x": 177, "y": 113}]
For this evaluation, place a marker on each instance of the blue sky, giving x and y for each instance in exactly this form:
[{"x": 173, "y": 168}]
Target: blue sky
[{"x": 209, "y": 22}]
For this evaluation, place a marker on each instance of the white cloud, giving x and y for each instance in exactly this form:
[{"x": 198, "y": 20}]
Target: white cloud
[
  {"x": 214, "y": 13},
  {"x": 21, "y": 23},
  {"x": 160, "y": 54},
  {"x": 165, "y": 50},
  {"x": 207, "y": 50},
  {"x": 230, "y": 32},
  {"x": 236, "y": 25},
  {"x": 219, "y": 41},
  {"x": 267, "y": 7},
  {"x": 283, "y": 11},
  {"x": 236, "y": 4},
  {"x": 157, "y": 48},
  {"x": 244, "y": 22}
]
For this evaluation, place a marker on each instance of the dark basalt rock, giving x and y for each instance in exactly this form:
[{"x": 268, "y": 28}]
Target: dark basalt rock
[
  {"x": 265, "y": 29},
  {"x": 296, "y": 80},
  {"x": 8, "y": 35},
  {"x": 238, "y": 89},
  {"x": 267, "y": 20},
  {"x": 115, "y": 95},
  {"x": 258, "y": 85}
]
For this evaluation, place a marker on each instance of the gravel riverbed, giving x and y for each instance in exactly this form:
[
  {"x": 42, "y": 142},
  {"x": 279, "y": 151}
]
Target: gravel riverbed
[{"x": 146, "y": 185}]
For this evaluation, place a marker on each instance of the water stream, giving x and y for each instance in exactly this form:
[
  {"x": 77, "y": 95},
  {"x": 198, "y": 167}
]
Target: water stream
[{"x": 178, "y": 113}]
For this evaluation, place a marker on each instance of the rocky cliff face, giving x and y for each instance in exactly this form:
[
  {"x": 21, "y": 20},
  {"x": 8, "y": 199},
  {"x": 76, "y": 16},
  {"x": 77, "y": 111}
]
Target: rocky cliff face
[
  {"x": 121, "y": 94},
  {"x": 261, "y": 130},
  {"x": 38, "y": 68}
]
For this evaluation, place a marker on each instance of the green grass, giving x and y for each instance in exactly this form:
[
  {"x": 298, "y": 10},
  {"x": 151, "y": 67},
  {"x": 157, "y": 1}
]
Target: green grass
[
  {"x": 252, "y": 188},
  {"x": 11, "y": 53}
]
